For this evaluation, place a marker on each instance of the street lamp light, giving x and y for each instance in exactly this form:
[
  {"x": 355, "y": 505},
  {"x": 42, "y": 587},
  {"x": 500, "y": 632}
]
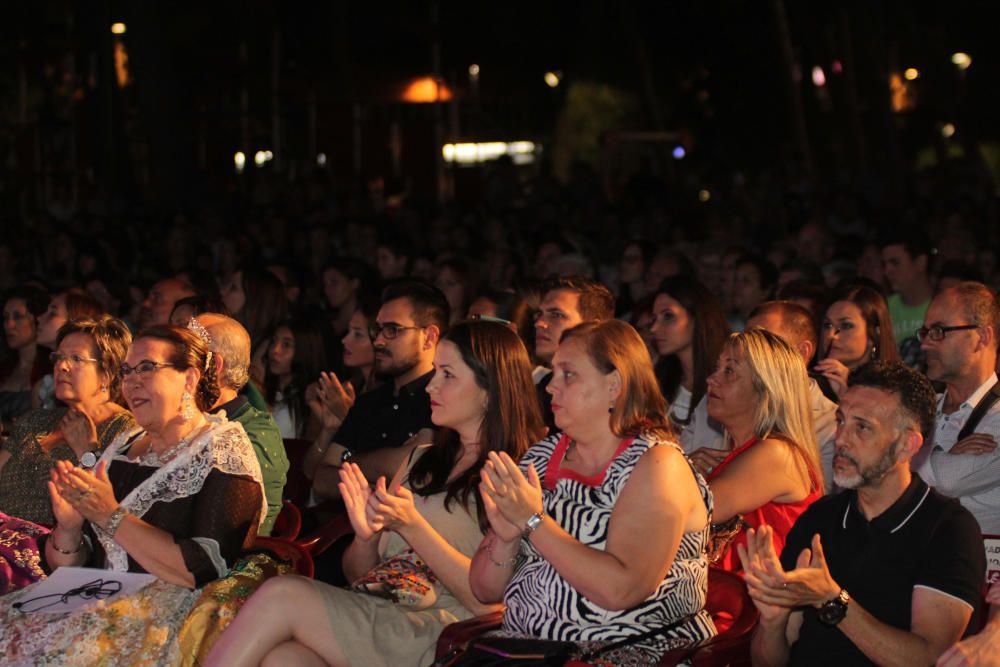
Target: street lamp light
[
  {"x": 962, "y": 60},
  {"x": 118, "y": 28}
]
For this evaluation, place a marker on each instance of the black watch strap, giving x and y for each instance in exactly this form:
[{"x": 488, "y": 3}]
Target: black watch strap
[{"x": 834, "y": 610}]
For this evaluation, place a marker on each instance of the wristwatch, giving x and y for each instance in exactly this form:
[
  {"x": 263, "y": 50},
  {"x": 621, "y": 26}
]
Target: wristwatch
[
  {"x": 533, "y": 522},
  {"x": 88, "y": 459},
  {"x": 833, "y": 611}
]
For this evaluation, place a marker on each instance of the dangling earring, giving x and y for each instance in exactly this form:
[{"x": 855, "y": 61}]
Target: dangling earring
[
  {"x": 874, "y": 351},
  {"x": 187, "y": 407},
  {"x": 611, "y": 409}
]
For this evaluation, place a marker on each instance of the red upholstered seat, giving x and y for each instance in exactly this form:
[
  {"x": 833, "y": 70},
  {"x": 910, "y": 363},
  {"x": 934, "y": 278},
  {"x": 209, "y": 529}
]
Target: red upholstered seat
[
  {"x": 728, "y": 602},
  {"x": 288, "y": 522},
  {"x": 333, "y": 530}
]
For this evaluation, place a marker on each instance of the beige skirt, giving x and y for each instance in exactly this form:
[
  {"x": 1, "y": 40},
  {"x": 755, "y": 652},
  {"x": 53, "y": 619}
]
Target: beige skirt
[{"x": 376, "y": 632}]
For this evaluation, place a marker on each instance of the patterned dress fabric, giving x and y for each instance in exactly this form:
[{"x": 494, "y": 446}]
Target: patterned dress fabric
[
  {"x": 20, "y": 563},
  {"x": 210, "y": 499},
  {"x": 22, "y": 479},
  {"x": 541, "y": 604}
]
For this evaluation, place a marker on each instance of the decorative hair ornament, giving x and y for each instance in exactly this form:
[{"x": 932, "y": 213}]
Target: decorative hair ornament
[{"x": 199, "y": 329}]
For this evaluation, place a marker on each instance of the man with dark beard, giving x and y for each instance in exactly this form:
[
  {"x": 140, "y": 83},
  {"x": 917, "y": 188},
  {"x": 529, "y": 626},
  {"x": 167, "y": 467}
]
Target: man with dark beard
[
  {"x": 406, "y": 331},
  {"x": 888, "y": 571}
]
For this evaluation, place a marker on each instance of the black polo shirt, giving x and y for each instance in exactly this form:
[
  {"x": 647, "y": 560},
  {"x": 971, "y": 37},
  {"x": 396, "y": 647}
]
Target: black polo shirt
[
  {"x": 923, "y": 540},
  {"x": 381, "y": 418}
]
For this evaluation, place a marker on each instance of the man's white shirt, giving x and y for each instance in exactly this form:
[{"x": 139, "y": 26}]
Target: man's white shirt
[{"x": 972, "y": 478}]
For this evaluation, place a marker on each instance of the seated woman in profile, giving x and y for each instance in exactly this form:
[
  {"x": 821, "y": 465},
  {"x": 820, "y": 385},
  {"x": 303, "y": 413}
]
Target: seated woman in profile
[
  {"x": 63, "y": 307},
  {"x": 760, "y": 394},
  {"x": 571, "y": 550},
  {"x": 180, "y": 501},
  {"x": 413, "y": 540},
  {"x": 86, "y": 366}
]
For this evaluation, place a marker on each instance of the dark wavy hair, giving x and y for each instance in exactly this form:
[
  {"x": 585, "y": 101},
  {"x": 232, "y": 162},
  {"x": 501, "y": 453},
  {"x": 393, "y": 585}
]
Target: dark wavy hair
[
  {"x": 511, "y": 423},
  {"x": 189, "y": 351},
  {"x": 309, "y": 360},
  {"x": 709, "y": 333}
]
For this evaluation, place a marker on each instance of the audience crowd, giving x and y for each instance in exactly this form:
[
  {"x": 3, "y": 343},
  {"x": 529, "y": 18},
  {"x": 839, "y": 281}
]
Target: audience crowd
[{"x": 569, "y": 407}]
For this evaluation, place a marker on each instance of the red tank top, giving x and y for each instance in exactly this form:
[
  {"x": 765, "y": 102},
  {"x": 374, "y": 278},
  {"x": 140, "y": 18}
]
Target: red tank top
[{"x": 780, "y": 516}]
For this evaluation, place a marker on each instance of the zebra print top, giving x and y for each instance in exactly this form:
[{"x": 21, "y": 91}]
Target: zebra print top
[{"x": 540, "y": 603}]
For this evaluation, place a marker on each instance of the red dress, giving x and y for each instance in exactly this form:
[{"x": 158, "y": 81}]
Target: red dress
[{"x": 780, "y": 516}]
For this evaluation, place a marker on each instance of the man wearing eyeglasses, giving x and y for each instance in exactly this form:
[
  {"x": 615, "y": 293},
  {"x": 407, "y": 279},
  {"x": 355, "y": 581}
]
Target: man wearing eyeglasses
[
  {"x": 959, "y": 337},
  {"x": 405, "y": 334}
]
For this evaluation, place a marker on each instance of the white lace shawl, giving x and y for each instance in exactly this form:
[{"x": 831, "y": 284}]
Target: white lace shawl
[{"x": 222, "y": 445}]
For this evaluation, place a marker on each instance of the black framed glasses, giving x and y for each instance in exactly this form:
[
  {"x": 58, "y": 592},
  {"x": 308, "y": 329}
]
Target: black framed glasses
[
  {"x": 937, "y": 332},
  {"x": 143, "y": 368},
  {"x": 73, "y": 360},
  {"x": 389, "y": 331}
]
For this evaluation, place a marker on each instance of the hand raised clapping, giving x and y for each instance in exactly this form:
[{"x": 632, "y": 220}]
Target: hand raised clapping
[
  {"x": 510, "y": 498},
  {"x": 355, "y": 491},
  {"x": 79, "y": 494},
  {"x": 330, "y": 400}
]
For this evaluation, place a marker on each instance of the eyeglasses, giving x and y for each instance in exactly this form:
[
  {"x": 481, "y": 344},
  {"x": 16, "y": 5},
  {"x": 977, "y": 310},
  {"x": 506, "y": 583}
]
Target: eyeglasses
[
  {"x": 73, "y": 360},
  {"x": 937, "y": 331},
  {"x": 388, "y": 331},
  {"x": 143, "y": 368}
]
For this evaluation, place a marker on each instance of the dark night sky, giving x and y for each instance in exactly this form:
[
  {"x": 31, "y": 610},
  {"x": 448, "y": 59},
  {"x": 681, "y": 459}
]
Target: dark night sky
[{"x": 714, "y": 65}]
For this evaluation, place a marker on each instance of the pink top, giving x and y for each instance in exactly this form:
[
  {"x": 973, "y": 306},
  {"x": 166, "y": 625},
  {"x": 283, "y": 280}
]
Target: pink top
[{"x": 779, "y": 516}]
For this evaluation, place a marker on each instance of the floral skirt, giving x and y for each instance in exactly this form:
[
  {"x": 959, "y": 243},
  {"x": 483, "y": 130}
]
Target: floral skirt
[{"x": 161, "y": 624}]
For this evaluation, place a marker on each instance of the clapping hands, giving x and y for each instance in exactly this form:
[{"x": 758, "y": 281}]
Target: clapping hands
[
  {"x": 509, "y": 497},
  {"x": 330, "y": 400}
]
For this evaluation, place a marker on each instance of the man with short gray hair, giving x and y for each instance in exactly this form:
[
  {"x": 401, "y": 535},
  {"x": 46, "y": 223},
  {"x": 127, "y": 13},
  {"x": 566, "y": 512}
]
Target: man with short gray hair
[
  {"x": 959, "y": 337},
  {"x": 230, "y": 344}
]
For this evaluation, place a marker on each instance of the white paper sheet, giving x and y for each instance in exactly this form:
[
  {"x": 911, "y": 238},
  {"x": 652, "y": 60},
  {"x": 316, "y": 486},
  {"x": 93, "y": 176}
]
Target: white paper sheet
[{"x": 91, "y": 586}]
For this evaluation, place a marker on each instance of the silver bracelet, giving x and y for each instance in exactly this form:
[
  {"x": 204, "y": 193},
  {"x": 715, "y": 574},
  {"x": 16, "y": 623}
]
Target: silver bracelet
[
  {"x": 506, "y": 563},
  {"x": 115, "y": 520}
]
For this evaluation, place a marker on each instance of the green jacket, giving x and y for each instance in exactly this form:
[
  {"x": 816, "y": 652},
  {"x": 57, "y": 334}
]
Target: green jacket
[{"x": 270, "y": 449}]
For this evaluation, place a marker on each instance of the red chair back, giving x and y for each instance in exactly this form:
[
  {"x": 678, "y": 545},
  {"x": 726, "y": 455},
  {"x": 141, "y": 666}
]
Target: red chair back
[
  {"x": 288, "y": 523},
  {"x": 297, "y": 485},
  {"x": 319, "y": 541}
]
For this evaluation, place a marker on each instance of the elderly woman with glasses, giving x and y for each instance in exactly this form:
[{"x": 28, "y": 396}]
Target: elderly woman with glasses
[
  {"x": 179, "y": 500},
  {"x": 85, "y": 368}
]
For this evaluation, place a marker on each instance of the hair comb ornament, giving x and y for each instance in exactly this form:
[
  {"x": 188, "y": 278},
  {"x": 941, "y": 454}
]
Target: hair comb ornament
[{"x": 199, "y": 330}]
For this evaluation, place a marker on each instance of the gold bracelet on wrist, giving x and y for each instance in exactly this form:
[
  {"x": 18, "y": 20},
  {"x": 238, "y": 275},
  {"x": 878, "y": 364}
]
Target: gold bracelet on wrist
[{"x": 52, "y": 541}]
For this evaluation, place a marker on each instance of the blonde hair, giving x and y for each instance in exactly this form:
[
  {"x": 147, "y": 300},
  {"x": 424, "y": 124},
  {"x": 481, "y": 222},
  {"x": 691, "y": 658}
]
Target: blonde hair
[{"x": 781, "y": 384}]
